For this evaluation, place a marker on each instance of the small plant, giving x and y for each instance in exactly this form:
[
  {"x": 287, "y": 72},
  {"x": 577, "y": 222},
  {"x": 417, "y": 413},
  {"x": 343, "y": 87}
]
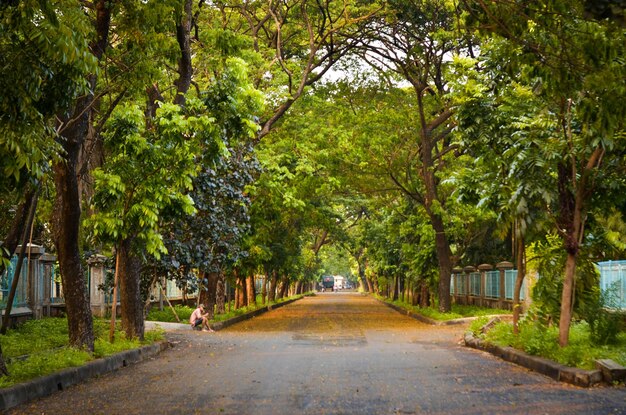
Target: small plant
[
  {"x": 476, "y": 326},
  {"x": 604, "y": 317}
]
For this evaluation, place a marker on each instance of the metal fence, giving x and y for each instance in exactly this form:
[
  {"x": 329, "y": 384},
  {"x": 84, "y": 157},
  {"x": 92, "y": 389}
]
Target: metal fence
[
  {"x": 6, "y": 280},
  {"x": 613, "y": 280},
  {"x": 492, "y": 284},
  {"x": 483, "y": 286},
  {"x": 475, "y": 283},
  {"x": 510, "y": 275}
]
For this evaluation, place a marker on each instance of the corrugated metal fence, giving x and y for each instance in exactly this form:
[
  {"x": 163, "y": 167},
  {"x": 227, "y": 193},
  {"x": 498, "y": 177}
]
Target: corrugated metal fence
[{"x": 613, "y": 280}]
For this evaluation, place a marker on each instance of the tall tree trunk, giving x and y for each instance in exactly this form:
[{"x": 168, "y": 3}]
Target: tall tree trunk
[
  {"x": 264, "y": 289},
  {"x": 240, "y": 293},
  {"x": 250, "y": 290},
  {"x": 130, "y": 291},
  {"x": 183, "y": 36},
  {"x": 519, "y": 280},
  {"x": 67, "y": 210},
  {"x": 424, "y": 295},
  {"x": 442, "y": 248},
  {"x": 395, "y": 289},
  {"x": 66, "y": 223},
  {"x": 284, "y": 288},
  {"x": 273, "y": 286},
  {"x": 365, "y": 287},
  {"x": 220, "y": 293},
  {"x": 574, "y": 191},
  {"x": 567, "y": 299},
  {"x": 116, "y": 279},
  {"x": 211, "y": 293}
]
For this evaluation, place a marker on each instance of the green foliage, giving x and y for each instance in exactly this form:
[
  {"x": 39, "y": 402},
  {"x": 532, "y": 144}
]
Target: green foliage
[
  {"x": 44, "y": 60},
  {"x": 458, "y": 310},
  {"x": 604, "y": 317},
  {"x": 35, "y": 336},
  {"x": 537, "y": 339},
  {"x": 39, "y": 347},
  {"x": 476, "y": 326},
  {"x": 166, "y": 315},
  {"x": 43, "y": 363},
  {"x": 547, "y": 257},
  {"x": 147, "y": 173}
]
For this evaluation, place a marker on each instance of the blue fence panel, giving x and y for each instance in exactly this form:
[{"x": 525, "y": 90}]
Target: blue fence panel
[
  {"x": 452, "y": 283},
  {"x": 613, "y": 279},
  {"x": 510, "y": 275},
  {"x": 460, "y": 286},
  {"x": 492, "y": 284},
  {"x": 475, "y": 284},
  {"x": 21, "y": 294}
]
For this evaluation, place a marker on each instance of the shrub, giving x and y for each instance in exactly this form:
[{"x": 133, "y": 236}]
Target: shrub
[{"x": 603, "y": 318}]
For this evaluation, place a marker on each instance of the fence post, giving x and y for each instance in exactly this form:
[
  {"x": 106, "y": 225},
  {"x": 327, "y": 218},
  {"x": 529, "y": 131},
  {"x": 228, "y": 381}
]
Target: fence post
[
  {"x": 456, "y": 272},
  {"x": 34, "y": 283},
  {"x": 483, "y": 268},
  {"x": 47, "y": 265},
  {"x": 466, "y": 283},
  {"x": 502, "y": 267},
  {"x": 97, "y": 301}
]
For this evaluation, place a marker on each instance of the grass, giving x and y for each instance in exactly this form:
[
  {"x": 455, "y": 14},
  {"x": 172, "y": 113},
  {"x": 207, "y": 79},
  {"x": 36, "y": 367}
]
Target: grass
[
  {"x": 40, "y": 347},
  {"x": 184, "y": 312},
  {"x": 538, "y": 340},
  {"x": 458, "y": 311}
]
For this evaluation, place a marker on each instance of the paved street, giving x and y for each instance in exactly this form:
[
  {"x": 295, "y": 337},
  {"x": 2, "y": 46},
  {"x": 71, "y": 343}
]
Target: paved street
[{"x": 335, "y": 353}]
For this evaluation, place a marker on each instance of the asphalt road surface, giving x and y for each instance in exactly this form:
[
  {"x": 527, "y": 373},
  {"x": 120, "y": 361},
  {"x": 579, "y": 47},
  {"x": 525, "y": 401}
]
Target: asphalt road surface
[{"x": 335, "y": 353}]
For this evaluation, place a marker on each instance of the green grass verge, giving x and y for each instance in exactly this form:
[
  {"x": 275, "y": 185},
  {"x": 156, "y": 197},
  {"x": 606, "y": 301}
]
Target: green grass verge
[
  {"x": 184, "y": 312},
  {"x": 538, "y": 340},
  {"x": 40, "y": 347},
  {"x": 458, "y": 311}
]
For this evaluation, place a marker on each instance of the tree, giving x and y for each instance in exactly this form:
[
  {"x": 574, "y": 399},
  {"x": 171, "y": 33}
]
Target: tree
[
  {"x": 414, "y": 41},
  {"x": 46, "y": 57},
  {"x": 147, "y": 172},
  {"x": 574, "y": 70}
]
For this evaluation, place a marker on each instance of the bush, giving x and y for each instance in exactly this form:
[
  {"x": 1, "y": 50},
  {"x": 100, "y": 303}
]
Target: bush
[{"x": 604, "y": 318}]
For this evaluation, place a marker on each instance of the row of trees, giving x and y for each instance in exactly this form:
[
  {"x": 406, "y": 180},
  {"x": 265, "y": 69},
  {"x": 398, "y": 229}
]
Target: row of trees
[{"x": 227, "y": 139}]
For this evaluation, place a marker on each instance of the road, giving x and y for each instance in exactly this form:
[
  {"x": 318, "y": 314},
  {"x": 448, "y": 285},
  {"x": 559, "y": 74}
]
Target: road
[{"x": 335, "y": 353}]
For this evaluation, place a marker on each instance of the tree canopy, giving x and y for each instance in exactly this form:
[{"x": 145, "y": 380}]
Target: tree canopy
[{"x": 215, "y": 142}]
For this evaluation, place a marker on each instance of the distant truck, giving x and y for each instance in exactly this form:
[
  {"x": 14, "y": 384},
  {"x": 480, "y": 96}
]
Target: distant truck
[
  {"x": 328, "y": 283},
  {"x": 339, "y": 282}
]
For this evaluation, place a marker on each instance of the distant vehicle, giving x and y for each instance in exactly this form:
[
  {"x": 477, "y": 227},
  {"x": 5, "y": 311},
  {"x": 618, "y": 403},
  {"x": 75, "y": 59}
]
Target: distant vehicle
[
  {"x": 328, "y": 282},
  {"x": 339, "y": 282}
]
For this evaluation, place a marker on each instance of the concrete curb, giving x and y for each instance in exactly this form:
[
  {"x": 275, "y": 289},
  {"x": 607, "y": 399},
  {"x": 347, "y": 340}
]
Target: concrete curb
[
  {"x": 226, "y": 323},
  {"x": 47, "y": 385},
  {"x": 554, "y": 370},
  {"x": 434, "y": 322}
]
